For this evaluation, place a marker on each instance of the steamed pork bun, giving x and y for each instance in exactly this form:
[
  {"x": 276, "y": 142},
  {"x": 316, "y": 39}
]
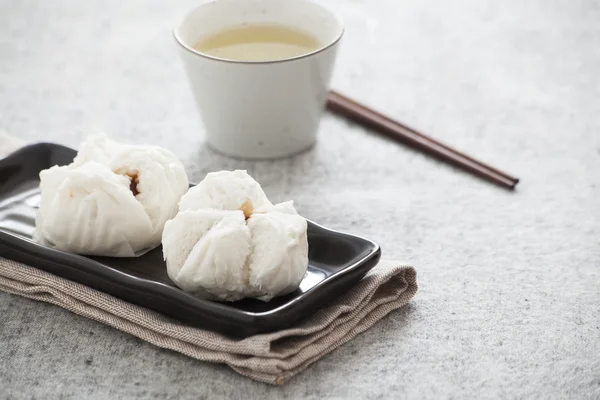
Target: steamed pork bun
[
  {"x": 229, "y": 242},
  {"x": 113, "y": 200}
]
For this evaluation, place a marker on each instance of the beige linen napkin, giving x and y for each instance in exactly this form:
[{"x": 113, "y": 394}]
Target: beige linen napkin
[{"x": 272, "y": 358}]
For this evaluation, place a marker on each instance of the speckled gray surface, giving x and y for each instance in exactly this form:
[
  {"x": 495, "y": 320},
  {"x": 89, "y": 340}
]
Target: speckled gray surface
[{"x": 510, "y": 282}]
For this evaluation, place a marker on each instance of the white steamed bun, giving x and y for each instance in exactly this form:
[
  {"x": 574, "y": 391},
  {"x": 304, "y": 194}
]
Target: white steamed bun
[
  {"x": 112, "y": 200},
  {"x": 229, "y": 242}
]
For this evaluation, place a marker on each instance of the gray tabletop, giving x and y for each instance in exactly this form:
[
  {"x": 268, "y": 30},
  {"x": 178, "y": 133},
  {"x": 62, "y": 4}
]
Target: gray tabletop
[{"x": 510, "y": 282}]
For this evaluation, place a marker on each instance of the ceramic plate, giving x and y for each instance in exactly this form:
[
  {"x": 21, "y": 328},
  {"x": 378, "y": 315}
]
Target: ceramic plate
[{"x": 337, "y": 261}]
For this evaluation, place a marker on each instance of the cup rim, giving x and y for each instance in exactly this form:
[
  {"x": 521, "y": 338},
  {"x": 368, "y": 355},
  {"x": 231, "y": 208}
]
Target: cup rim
[{"x": 283, "y": 60}]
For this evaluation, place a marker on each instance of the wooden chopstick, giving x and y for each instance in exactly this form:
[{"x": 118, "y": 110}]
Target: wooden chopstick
[{"x": 350, "y": 109}]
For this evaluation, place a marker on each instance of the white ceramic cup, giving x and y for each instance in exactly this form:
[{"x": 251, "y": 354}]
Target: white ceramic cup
[{"x": 264, "y": 109}]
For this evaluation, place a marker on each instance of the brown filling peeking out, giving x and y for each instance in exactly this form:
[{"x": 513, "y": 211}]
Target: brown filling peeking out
[
  {"x": 134, "y": 181},
  {"x": 247, "y": 209}
]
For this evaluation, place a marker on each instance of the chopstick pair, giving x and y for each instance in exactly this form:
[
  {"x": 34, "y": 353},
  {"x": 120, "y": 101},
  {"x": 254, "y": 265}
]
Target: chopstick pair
[{"x": 368, "y": 117}]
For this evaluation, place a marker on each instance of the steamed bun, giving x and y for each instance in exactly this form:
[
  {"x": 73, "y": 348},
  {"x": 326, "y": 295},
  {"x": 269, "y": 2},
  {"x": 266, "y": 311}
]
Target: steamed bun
[
  {"x": 112, "y": 200},
  {"x": 229, "y": 242}
]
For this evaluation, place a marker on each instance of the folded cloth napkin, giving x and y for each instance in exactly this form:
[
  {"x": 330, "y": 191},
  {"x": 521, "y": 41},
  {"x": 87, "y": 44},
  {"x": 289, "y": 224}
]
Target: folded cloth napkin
[{"x": 272, "y": 358}]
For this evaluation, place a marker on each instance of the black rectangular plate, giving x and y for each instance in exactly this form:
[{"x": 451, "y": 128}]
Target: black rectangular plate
[{"x": 337, "y": 261}]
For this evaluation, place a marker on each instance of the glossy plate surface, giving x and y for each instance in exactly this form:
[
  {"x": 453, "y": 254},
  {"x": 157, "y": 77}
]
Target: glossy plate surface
[{"x": 336, "y": 261}]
